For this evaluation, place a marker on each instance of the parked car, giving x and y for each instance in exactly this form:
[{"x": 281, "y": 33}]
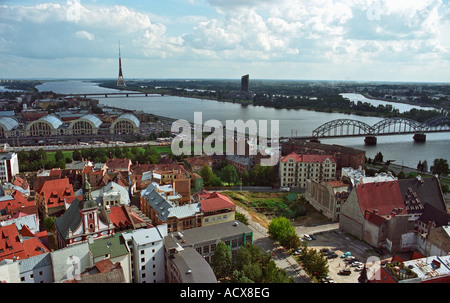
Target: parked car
[
  {"x": 332, "y": 255},
  {"x": 345, "y": 272},
  {"x": 307, "y": 237},
  {"x": 312, "y": 237},
  {"x": 283, "y": 188},
  {"x": 356, "y": 264},
  {"x": 324, "y": 250},
  {"x": 298, "y": 251},
  {"x": 346, "y": 255},
  {"x": 350, "y": 258},
  {"x": 359, "y": 268}
]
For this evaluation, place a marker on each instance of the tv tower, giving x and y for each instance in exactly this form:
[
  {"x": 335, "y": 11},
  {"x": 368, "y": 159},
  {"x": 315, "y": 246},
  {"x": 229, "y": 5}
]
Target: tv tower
[{"x": 120, "y": 71}]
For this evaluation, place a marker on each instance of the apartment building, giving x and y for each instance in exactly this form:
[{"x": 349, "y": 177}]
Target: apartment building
[
  {"x": 146, "y": 247},
  {"x": 9, "y": 166},
  {"x": 296, "y": 169}
]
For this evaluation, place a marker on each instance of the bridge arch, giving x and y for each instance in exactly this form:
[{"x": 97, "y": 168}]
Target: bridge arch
[
  {"x": 393, "y": 125},
  {"x": 343, "y": 127},
  {"x": 436, "y": 121}
]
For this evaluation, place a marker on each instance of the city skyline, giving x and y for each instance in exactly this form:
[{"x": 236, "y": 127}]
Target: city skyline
[{"x": 347, "y": 40}]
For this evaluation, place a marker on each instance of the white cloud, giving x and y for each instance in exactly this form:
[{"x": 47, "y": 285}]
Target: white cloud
[
  {"x": 84, "y": 35},
  {"x": 253, "y": 32}
]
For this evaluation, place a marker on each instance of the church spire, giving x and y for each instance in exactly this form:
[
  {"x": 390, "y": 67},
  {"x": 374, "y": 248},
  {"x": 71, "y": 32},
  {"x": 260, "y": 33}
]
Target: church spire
[{"x": 87, "y": 190}]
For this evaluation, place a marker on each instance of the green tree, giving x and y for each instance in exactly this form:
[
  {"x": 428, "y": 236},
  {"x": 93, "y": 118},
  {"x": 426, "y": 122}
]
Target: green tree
[
  {"x": 290, "y": 240},
  {"x": 59, "y": 155},
  {"x": 209, "y": 178},
  {"x": 221, "y": 262},
  {"x": 401, "y": 175},
  {"x": 229, "y": 174},
  {"x": 76, "y": 155},
  {"x": 281, "y": 230},
  {"x": 440, "y": 167},
  {"x": 314, "y": 263},
  {"x": 378, "y": 158},
  {"x": 49, "y": 223},
  {"x": 241, "y": 217}
]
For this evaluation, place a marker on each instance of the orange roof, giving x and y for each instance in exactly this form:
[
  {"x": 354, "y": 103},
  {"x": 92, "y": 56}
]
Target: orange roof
[
  {"x": 119, "y": 217},
  {"x": 216, "y": 201},
  {"x": 337, "y": 183},
  {"x": 56, "y": 191},
  {"x": 307, "y": 158},
  {"x": 34, "y": 247},
  {"x": 382, "y": 196},
  {"x": 18, "y": 201},
  {"x": 10, "y": 245},
  {"x": 118, "y": 163}
]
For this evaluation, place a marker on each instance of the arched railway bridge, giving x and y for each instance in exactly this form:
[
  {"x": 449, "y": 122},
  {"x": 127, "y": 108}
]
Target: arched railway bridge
[{"x": 386, "y": 127}]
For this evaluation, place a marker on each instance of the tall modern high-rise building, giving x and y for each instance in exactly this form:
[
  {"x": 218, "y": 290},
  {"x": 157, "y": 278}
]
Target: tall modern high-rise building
[
  {"x": 120, "y": 71},
  {"x": 244, "y": 83},
  {"x": 9, "y": 166}
]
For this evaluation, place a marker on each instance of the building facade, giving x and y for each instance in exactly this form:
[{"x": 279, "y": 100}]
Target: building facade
[
  {"x": 9, "y": 166},
  {"x": 146, "y": 247},
  {"x": 296, "y": 169},
  {"x": 327, "y": 196}
]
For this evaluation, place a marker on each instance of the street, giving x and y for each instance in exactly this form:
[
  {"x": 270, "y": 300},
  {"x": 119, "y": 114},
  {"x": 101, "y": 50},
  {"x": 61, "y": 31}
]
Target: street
[{"x": 327, "y": 236}]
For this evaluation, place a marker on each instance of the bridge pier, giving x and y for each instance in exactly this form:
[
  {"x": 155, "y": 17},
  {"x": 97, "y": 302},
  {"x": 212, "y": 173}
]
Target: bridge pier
[
  {"x": 106, "y": 95},
  {"x": 420, "y": 137},
  {"x": 370, "y": 140}
]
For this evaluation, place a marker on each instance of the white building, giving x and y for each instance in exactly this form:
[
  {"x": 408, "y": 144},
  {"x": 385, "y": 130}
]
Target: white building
[
  {"x": 147, "y": 254},
  {"x": 37, "y": 269},
  {"x": 111, "y": 194},
  {"x": 296, "y": 169},
  {"x": 9, "y": 271},
  {"x": 9, "y": 166},
  {"x": 358, "y": 176}
]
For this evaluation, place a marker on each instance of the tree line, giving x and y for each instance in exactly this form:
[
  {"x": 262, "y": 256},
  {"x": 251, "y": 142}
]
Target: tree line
[
  {"x": 35, "y": 160},
  {"x": 226, "y": 174}
]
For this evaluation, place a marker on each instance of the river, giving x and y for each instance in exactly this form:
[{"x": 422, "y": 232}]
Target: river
[{"x": 400, "y": 148}]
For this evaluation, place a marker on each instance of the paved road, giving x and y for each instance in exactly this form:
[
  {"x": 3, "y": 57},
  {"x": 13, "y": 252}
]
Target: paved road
[
  {"x": 282, "y": 258},
  {"x": 301, "y": 230}
]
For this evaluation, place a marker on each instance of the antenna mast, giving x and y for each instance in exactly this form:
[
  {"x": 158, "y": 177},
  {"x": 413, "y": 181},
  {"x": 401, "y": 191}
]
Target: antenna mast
[{"x": 120, "y": 78}]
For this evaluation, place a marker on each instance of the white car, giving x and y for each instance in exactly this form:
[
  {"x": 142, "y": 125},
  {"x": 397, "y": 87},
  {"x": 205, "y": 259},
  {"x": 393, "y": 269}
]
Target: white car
[
  {"x": 357, "y": 264},
  {"x": 307, "y": 237},
  {"x": 283, "y": 188},
  {"x": 359, "y": 268}
]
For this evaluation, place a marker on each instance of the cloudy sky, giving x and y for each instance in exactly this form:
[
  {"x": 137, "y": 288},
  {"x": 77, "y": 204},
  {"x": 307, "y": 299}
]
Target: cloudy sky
[{"x": 380, "y": 40}]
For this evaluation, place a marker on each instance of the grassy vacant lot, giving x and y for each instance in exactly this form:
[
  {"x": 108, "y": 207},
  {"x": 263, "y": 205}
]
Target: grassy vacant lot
[{"x": 269, "y": 205}]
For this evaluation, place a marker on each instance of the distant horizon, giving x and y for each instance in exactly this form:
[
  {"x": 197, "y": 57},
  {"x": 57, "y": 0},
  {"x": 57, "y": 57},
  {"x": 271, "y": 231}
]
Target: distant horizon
[{"x": 225, "y": 79}]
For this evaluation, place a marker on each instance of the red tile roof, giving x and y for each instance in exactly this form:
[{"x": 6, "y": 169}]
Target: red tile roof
[
  {"x": 307, "y": 158},
  {"x": 381, "y": 196},
  {"x": 118, "y": 163},
  {"x": 216, "y": 201},
  {"x": 34, "y": 247},
  {"x": 121, "y": 216},
  {"x": 18, "y": 201},
  {"x": 11, "y": 245},
  {"x": 56, "y": 191}
]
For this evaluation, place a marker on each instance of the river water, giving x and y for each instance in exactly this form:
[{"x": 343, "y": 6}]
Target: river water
[{"x": 400, "y": 148}]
